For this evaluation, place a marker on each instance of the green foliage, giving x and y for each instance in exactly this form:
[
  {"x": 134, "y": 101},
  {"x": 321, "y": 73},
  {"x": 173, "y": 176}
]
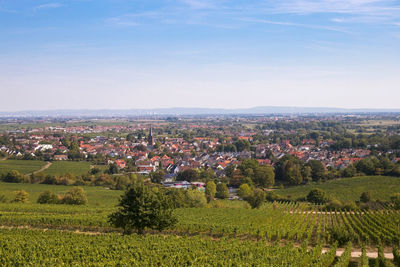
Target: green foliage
[
  {"x": 48, "y": 197},
  {"x": 317, "y": 170},
  {"x": 195, "y": 198},
  {"x": 222, "y": 191},
  {"x": 264, "y": 176},
  {"x": 21, "y": 196},
  {"x": 3, "y": 199},
  {"x": 244, "y": 191},
  {"x": 256, "y": 199},
  {"x": 317, "y": 196},
  {"x": 365, "y": 197},
  {"x": 189, "y": 175},
  {"x": 381, "y": 187},
  {"x": 13, "y": 177},
  {"x": 140, "y": 208},
  {"x": 344, "y": 259},
  {"x": 75, "y": 196},
  {"x": 211, "y": 189}
]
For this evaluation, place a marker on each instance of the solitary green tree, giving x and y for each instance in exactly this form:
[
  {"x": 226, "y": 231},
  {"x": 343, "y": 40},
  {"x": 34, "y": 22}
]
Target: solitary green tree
[
  {"x": 211, "y": 189},
  {"x": 222, "y": 191},
  {"x": 140, "y": 208}
]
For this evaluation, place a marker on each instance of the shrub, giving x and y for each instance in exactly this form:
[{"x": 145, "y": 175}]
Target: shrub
[
  {"x": 75, "y": 196},
  {"x": 195, "y": 198},
  {"x": 21, "y": 196},
  {"x": 244, "y": 191},
  {"x": 256, "y": 199},
  {"x": 317, "y": 196},
  {"x": 48, "y": 197},
  {"x": 365, "y": 197},
  {"x": 211, "y": 189},
  {"x": 13, "y": 177}
]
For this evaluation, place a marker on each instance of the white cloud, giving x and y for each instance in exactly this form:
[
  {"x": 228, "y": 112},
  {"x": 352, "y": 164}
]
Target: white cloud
[{"x": 48, "y": 6}]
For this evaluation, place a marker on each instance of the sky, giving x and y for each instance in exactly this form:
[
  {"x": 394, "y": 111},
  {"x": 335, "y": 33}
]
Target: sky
[{"x": 126, "y": 54}]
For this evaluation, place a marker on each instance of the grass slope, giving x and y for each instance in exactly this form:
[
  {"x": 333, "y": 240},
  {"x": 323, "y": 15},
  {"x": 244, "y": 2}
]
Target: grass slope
[
  {"x": 97, "y": 196},
  {"x": 64, "y": 167},
  {"x": 23, "y": 166},
  {"x": 345, "y": 189}
]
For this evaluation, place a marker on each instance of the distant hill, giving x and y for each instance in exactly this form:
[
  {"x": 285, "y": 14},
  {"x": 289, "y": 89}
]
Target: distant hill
[{"x": 267, "y": 110}]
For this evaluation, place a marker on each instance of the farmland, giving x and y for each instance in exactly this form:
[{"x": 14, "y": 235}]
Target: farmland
[
  {"x": 345, "y": 189},
  {"x": 64, "y": 167},
  {"x": 23, "y": 166}
]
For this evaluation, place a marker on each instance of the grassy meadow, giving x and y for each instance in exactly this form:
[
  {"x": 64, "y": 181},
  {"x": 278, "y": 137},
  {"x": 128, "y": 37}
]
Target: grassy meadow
[
  {"x": 64, "y": 167},
  {"x": 345, "y": 189},
  {"x": 23, "y": 166}
]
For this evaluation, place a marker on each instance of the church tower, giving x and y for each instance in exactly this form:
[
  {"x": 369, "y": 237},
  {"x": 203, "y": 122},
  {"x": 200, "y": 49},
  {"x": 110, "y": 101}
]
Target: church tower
[{"x": 150, "y": 138}]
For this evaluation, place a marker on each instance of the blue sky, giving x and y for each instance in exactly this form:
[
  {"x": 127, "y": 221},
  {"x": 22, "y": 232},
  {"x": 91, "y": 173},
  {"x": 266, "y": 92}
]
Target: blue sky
[{"x": 212, "y": 53}]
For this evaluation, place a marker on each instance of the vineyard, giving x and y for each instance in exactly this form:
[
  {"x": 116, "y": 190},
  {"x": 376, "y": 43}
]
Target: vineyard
[
  {"x": 225, "y": 233},
  {"x": 273, "y": 222},
  {"x": 51, "y": 248}
]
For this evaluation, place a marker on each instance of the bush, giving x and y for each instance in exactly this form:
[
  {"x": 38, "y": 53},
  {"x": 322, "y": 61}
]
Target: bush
[
  {"x": 211, "y": 189},
  {"x": 317, "y": 196},
  {"x": 75, "y": 196},
  {"x": 13, "y": 177},
  {"x": 21, "y": 196},
  {"x": 244, "y": 191},
  {"x": 256, "y": 199},
  {"x": 341, "y": 235},
  {"x": 48, "y": 197},
  {"x": 365, "y": 197},
  {"x": 222, "y": 191},
  {"x": 195, "y": 198}
]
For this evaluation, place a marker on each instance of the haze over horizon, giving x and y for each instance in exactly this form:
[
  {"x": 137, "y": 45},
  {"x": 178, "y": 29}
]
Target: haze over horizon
[{"x": 126, "y": 54}]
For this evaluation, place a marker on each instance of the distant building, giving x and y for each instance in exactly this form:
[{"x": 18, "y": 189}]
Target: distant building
[{"x": 150, "y": 139}]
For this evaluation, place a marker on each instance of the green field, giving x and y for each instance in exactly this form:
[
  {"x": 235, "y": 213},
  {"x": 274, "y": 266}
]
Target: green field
[
  {"x": 64, "y": 167},
  {"x": 23, "y": 166},
  {"x": 97, "y": 196},
  {"x": 345, "y": 189}
]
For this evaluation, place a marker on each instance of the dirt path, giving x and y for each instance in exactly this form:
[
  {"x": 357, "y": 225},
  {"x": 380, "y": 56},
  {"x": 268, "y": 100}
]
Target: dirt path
[
  {"x": 48, "y": 164},
  {"x": 3, "y": 158},
  {"x": 357, "y": 254}
]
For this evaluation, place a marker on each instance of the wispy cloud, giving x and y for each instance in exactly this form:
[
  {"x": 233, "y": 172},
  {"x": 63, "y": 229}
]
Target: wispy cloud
[
  {"x": 199, "y": 4},
  {"x": 48, "y": 6},
  {"x": 291, "y": 24}
]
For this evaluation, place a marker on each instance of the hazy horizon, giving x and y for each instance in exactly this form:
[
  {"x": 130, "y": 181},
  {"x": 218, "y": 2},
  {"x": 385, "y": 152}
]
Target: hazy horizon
[{"x": 140, "y": 54}]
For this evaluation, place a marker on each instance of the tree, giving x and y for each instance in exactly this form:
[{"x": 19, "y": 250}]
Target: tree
[
  {"x": 195, "y": 198},
  {"x": 317, "y": 169},
  {"x": 242, "y": 145},
  {"x": 222, "y": 191},
  {"x": 211, "y": 189},
  {"x": 256, "y": 199},
  {"x": 189, "y": 175},
  {"x": 292, "y": 173},
  {"x": 349, "y": 171},
  {"x": 140, "y": 208},
  {"x": 317, "y": 196},
  {"x": 157, "y": 176},
  {"x": 75, "y": 196},
  {"x": 47, "y": 197},
  {"x": 365, "y": 197},
  {"x": 21, "y": 196},
  {"x": 264, "y": 176},
  {"x": 244, "y": 191}
]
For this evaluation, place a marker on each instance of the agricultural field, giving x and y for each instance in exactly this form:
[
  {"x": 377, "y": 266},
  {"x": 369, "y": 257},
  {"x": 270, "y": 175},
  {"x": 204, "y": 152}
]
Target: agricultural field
[
  {"x": 64, "y": 167},
  {"x": 23, "y": 166},
  {"x": 345, "y": 189},
  {"x": 224, "y": 233}
]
